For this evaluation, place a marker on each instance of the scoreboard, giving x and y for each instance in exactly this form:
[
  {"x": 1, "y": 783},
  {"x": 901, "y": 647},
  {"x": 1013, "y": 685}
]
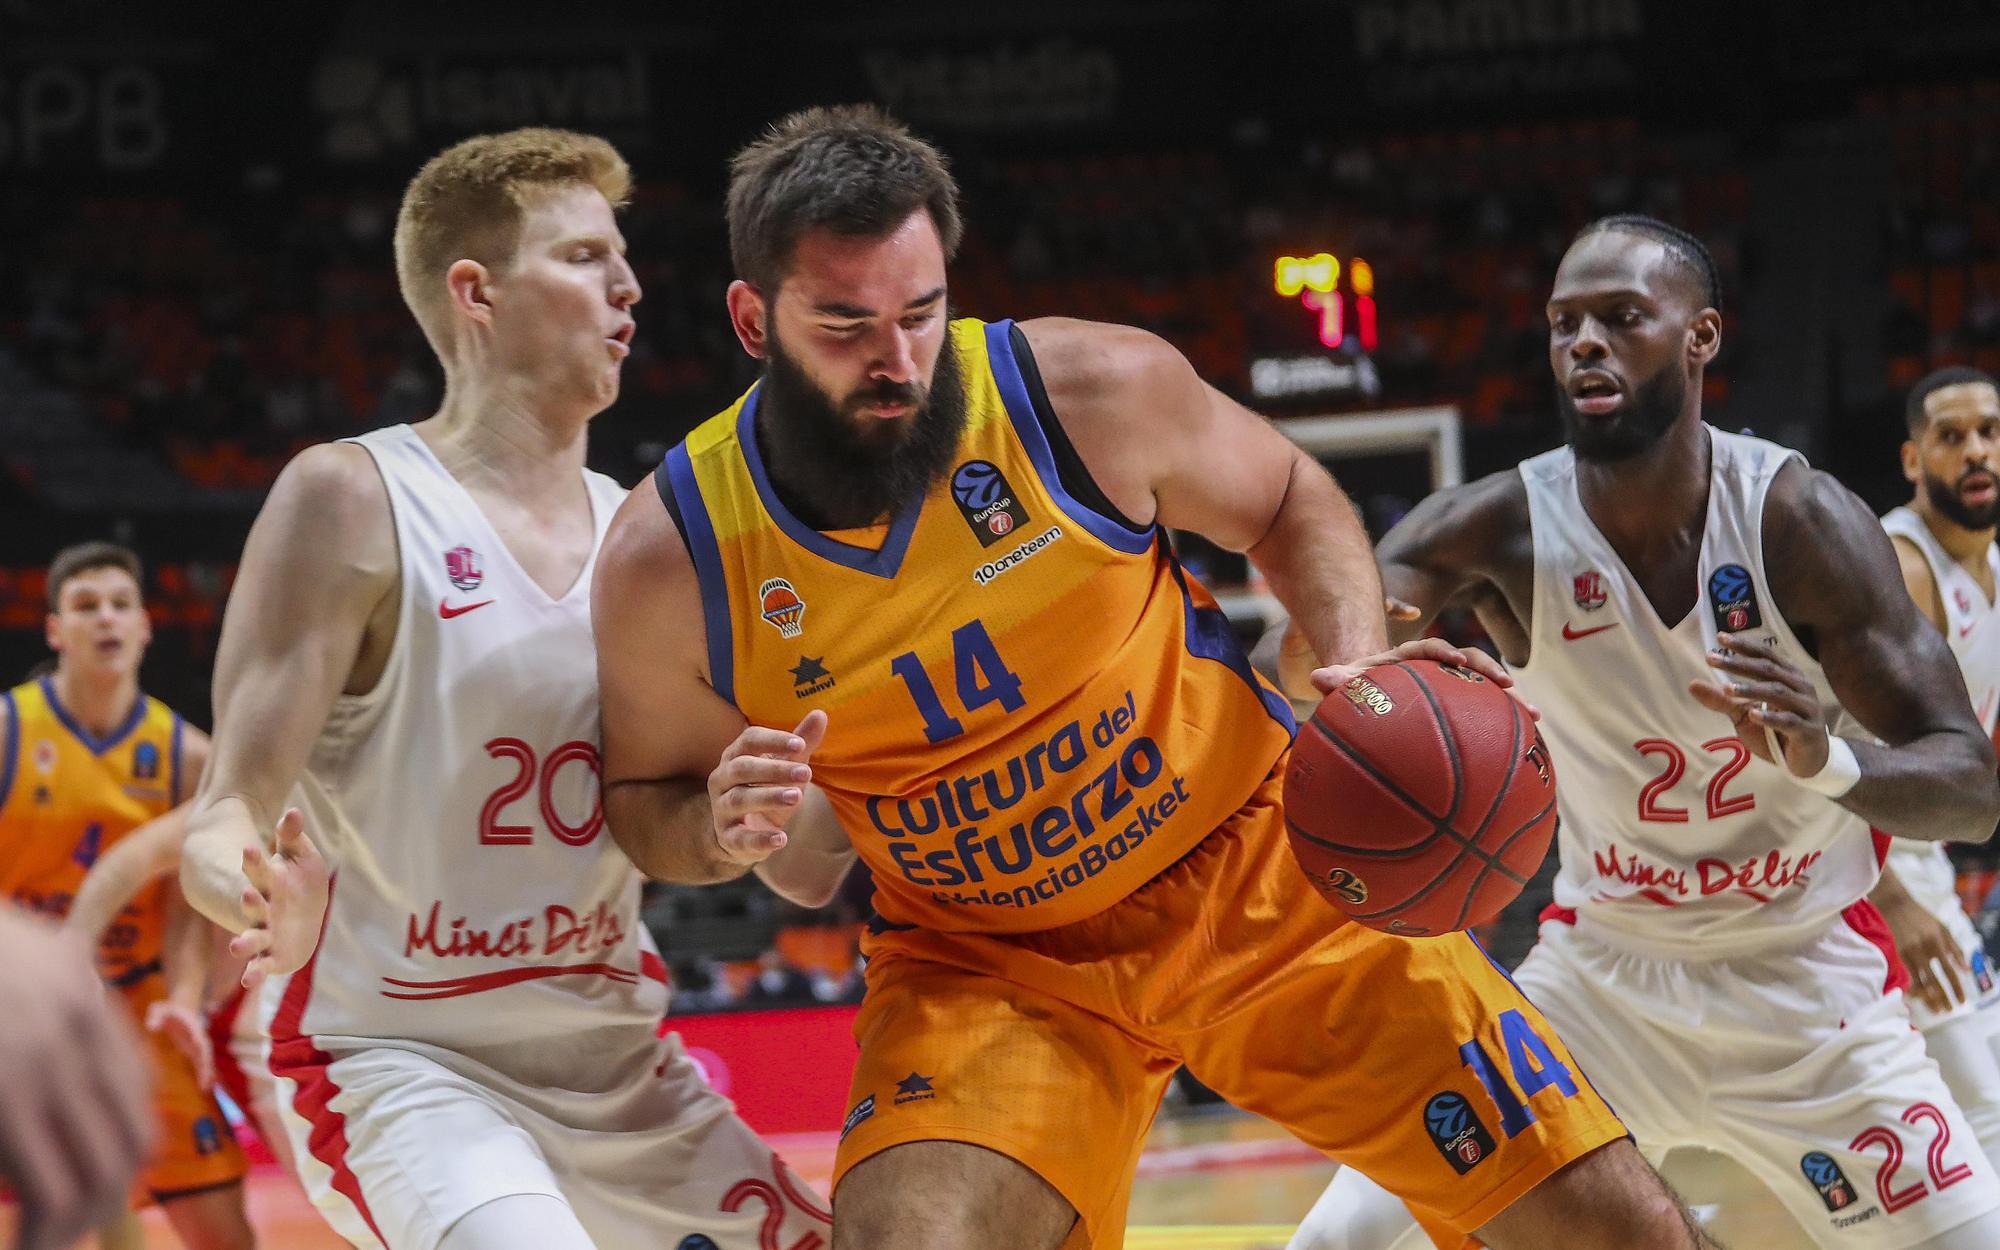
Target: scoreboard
[{"x": 1341, "y": 299}]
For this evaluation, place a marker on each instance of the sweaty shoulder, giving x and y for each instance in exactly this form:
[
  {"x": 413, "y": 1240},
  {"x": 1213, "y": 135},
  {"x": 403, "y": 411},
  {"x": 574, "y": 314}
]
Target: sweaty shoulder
[
  {"x": 1092, "y": 364},
  {"x": 1825, "y": 551},
  {"x": 1125, "y": 397},
  {"x": 331, "y": 499},
  {"x": 1804, "y": 504}
]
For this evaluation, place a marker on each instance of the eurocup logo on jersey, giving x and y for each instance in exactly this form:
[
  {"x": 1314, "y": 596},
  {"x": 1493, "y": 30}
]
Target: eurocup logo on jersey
[
  {"x": 145, "y": 762},
  {"x": 1588, "y": 589},
  {"x": 986, "y": 501},
  {"x": 1734, "y": 598},
  {"x": 1456, "y": 1130},
  {"x": 461, "y": 565},
  {"x": 782, "y": 606},
  {"x": 1835, "y": 1190}
]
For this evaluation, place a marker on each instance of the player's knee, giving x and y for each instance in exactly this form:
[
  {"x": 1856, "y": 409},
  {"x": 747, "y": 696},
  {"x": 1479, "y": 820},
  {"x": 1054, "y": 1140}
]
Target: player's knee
[
  {"x": 1610, "y": 1197},
  {"x": 910, "y": 1226},
  {"x": 947, "y": 1196}
]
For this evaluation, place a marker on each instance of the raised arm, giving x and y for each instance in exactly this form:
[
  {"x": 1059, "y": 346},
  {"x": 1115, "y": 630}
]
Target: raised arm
[
  {"x": 312, "y": 615},
  {"x": 693, "y": 793},
  {"x": 1836, "y": 579}
]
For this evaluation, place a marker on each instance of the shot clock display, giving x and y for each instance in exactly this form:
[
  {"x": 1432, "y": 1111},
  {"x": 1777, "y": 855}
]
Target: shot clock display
[{"x": 1343, "y": 309}]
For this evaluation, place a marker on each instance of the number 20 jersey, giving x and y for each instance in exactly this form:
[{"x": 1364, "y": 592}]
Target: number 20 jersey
[
  {"x": 1675, "y": 841},
  {"x": 1032, "y": 710},
  {"x": 478, "y": 903}
]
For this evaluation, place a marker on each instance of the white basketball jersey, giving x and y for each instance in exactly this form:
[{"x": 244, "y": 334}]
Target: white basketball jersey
[
  {"x": 477, "y": 899},
  {"x": 1972, "y": 623},
  {"x": 1972, "y": 630},
  {"x": 1675, "y": 841}
]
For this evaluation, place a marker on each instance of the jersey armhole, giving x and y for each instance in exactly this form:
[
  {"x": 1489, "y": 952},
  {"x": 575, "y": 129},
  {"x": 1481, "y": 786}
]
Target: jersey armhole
[
  {"x": 1899, "y": 540},
  {"x": 1070, "y": 469},
  {"x": 10, "y": 744},
  {"x": 675, "y": 476},
  {"x": 1049, "y": 449}
]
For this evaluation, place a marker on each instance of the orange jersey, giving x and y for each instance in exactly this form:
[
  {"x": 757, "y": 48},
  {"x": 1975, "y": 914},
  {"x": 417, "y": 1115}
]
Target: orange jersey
[
  {"x": 1032, "y": 708},
  {"x": 66, "y": 797}
]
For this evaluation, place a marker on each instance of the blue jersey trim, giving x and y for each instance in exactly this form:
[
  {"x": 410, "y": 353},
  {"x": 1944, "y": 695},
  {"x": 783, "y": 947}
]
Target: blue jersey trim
[
  {"x": 884, "y": 562},
  {"x": 680, "y": 479},
  {"x": 174, "y": 761},
  {"x": 13, "y": 747},
  {"x": 1211, "y": 637},
  {"x": 1028, "y": 428},
  {"x": 95, "y": 745}
]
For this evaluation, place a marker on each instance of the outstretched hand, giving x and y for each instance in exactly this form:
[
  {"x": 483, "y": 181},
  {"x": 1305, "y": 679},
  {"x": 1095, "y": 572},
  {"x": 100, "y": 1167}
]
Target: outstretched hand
[
  {"x": 1770, "y": 701},
  {"x": 285, "y": 901}
]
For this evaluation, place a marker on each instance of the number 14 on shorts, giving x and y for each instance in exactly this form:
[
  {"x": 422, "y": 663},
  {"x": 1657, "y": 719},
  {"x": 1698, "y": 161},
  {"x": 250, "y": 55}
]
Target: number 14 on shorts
[{"x": 1533, "y": 1065}]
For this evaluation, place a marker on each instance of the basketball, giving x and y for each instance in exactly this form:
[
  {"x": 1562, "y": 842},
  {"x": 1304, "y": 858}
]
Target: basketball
[{"x": 1419, "y": 798}]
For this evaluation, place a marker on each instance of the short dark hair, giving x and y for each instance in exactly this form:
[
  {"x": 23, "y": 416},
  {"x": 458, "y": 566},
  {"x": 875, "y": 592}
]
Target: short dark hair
[
  {"x": 852, "y": 169},
  {"x": 87, "y": 557},
  {"x": 1686, "y": 250},
  {"x": 1936, "y": 380}
]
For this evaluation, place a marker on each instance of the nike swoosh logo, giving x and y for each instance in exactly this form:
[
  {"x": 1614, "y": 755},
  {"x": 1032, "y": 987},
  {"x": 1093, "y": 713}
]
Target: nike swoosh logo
[
  {"x": 1571, "y": 633},
  {"x": 1963, "y": 630},
  {"x": 446, "y": 611}
]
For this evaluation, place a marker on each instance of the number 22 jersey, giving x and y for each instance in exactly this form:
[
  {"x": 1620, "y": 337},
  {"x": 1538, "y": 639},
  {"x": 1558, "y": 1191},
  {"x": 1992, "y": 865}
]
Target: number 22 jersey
[
  {"x": 1675, "y": 841},
  {"x": 1032, "y": 710}
]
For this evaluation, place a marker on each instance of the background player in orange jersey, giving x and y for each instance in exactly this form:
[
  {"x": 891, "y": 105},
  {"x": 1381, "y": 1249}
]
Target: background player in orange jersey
[
  {"x": 86, "y": 759},
  {"x": 937, "y": 549},
  {"x": 231, "y": 1052}
]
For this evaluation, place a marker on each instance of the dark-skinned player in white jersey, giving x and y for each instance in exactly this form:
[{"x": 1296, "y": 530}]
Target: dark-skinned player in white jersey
[{"x": 1711, "y": 959}]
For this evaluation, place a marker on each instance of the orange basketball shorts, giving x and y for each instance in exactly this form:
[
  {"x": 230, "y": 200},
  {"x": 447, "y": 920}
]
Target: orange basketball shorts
[
  {"x": 1415, "y": 1060},
  {"x": 195, "y": 1149}
]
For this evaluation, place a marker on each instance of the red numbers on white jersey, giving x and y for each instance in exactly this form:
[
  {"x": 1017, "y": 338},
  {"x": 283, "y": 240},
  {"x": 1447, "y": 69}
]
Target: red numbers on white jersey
[
  {"x": 762, "y": 1191},
  {"x": 527, "y": 775},
  {"x": 1942, "y": 1174},
  {"x": 1720, "y": 804}
]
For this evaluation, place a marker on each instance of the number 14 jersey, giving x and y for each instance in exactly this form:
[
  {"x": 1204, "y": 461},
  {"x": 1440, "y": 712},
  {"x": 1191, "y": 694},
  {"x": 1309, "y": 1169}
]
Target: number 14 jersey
[
  {"x": 1032, "y": 710},
  {"x": 1675, "y": 841}
]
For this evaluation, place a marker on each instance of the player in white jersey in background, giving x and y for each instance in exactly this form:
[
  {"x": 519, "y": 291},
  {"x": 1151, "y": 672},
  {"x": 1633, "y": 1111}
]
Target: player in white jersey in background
[
  {"x": 1944, "y": 540},
  {"x": 465, "y": 1043},
  {"x": 1717, "y": 637}
]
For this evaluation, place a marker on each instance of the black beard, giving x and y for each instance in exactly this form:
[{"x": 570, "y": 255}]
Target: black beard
[
  {"x": 1945, "y": 499},
  {"x": 1649, "y": 412},
  {"x": 832, "y": 477}
]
